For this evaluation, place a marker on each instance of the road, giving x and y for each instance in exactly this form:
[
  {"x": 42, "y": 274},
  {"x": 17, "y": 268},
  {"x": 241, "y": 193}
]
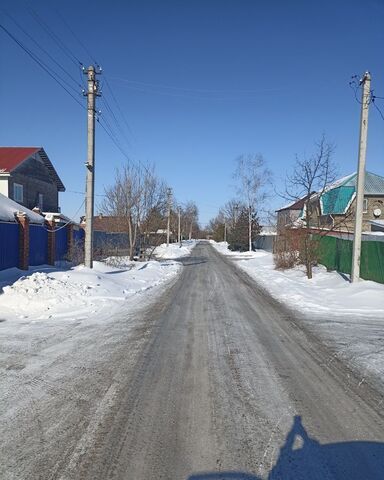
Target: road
[{"x": 218, "y": 381}]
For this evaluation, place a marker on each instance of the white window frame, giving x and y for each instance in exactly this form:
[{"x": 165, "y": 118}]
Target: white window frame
[
  {"x": 18, "y": 192},
  {"x": 365, "y": 205}
]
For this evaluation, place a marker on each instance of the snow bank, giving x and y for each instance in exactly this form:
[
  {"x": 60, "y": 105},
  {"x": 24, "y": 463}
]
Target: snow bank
[
  {"x": 349, "y": 317},
  {"x": 174, "y": 250},
  {"x": 46, "y": 292},
  {"x": 8, "y": 209}
]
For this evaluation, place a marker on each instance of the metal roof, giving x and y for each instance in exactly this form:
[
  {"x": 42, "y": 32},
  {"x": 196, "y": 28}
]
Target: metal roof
[
  {"x": 374, "y": 184},
  {"x": 12, "y": 157},
  {"x": 337, "y": 197}
]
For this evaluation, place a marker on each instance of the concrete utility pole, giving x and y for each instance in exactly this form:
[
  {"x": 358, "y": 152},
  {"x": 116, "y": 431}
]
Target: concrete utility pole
[
  {"x": 250, "y": 228},
  {"x": 179, "y": 227},
  {"x": 91, "y": 93},
  {"x": 169, "y": 196},
  {"x": 360, "y": 181}
]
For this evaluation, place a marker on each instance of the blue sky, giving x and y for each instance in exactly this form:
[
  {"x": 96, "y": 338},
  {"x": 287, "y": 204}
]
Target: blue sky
[{"x": 199, "y": 82}]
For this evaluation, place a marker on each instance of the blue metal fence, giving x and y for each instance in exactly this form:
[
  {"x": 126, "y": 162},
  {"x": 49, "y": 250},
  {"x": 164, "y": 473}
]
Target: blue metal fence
[
  {"x": 78, "y": 235},
  {"x": 9, "y": 245},
  {"x": 38, "y": 245},
  {"x": 61, "y": 244}
]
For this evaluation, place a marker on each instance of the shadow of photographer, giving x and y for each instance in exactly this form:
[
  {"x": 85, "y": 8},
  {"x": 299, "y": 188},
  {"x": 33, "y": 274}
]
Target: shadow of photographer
[{"x": 304, "y": 458}]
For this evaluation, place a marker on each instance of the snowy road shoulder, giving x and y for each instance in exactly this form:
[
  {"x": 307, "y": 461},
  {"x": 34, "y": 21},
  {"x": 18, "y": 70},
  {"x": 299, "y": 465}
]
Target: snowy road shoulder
[
  {"x": 348, "y": 317},
  {"x": 47, "y": 292},
  {"x": 174, "y": 250}
]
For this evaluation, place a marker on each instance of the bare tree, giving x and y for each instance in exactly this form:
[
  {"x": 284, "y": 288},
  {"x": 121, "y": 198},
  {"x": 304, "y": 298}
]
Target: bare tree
[
  {"x": 311, "y": 174},
  {"x": 133, "y": 199},
  {"x": 253, "y": 179},
  {"x": 191, "y": 216}
]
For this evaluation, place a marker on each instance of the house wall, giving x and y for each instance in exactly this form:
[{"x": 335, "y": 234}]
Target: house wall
[
  {"x": 4, "y": 181},
  {"x": 35, "y": 178},
  {"x": 346, "y": 222},
  {"x": 287, "y": 217}
]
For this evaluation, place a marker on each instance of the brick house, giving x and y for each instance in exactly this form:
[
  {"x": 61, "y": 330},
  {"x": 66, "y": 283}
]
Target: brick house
[{"x": 28, "y": 177}]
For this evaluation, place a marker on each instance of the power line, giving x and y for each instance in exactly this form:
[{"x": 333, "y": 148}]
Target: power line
[
  {"x": 114, "y": 118},
  {"x": 377, "y": 108},
  {"x": 82, "y": 44},
  {"x": 114, "y": 139},
  {"x": 46, "y": 53},
  {"x": 54, "y": 37},
  {"x": 42, "y": 65},
  {"x": 192, "y": 90},
  {"x": 118, "y": 105}
]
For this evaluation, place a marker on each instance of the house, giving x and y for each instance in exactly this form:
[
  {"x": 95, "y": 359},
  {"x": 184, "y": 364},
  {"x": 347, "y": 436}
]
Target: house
[
  {"x": 290, "y": 215},
  {"x": 335, "y": 207},
  {"x": 28, "y": 177}
]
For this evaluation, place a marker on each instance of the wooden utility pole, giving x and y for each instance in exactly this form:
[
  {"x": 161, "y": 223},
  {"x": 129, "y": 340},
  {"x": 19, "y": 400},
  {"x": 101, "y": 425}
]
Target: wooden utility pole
[
  {"x": 169, "y": 196},
  {"x": 91, "y": 93},
  {"x": 225, "y": 231},
  {"x": 360, "y": 180}
]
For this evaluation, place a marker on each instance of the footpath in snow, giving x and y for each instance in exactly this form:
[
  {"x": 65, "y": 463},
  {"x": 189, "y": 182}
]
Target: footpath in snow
[{"x": 348, "y": 317}]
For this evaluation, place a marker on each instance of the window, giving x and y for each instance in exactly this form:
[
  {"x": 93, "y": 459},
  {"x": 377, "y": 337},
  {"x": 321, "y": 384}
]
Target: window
[
  {"x": 18, "y": 192},
  {"x": 40, "y": 201},
  {"x": 365, "y": 205}
]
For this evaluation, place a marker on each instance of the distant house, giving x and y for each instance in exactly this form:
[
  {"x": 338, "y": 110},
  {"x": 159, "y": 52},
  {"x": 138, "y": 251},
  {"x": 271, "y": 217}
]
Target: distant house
[
  {"x": 290, "y": 215},
  {"x": 28, "y": 177}
]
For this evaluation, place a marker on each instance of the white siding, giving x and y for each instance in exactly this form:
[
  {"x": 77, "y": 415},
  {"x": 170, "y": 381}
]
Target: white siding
[{"x": 4, "y": 185}]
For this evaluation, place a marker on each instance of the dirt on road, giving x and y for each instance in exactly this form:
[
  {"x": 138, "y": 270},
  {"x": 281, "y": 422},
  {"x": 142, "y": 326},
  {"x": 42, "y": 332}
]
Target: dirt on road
[{"x": 215, "y": 381}]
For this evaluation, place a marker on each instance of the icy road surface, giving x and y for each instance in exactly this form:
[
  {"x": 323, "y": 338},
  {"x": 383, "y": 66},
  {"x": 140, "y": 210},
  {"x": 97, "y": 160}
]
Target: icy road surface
[{"x": 212, "y": 381}]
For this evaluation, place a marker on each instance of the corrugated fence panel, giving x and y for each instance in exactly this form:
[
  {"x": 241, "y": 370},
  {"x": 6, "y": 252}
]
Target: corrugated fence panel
[
  {"x": 336, "y": 254},
  {"x": 61, "y": 244},
  {"x": 38, "y": 245},
  {"x": 9, "y": 245},
  {"x": 78, "y": 235}
]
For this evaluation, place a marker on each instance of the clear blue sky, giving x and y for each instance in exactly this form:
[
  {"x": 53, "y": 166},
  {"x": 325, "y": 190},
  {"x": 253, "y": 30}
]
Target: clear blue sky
[{"x": 200, "y": 82}]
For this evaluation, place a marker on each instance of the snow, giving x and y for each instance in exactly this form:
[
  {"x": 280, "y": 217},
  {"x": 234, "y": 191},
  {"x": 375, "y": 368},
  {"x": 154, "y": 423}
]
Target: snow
[
  {"x": 45, "y": 292},
  {"x": 174, "y": 250},
  {"x": 8, "y": 209},
  {"x": 348, "y": 317}
]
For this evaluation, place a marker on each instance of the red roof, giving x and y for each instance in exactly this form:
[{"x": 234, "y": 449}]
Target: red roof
[{"x": 11, "y": 157}]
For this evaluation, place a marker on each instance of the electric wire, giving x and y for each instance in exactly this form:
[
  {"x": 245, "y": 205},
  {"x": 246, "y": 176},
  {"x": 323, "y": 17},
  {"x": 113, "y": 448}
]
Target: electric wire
[
  {"x": 46, "y": 53},
  {"x": 82, "y": 44},
  {"x": 41, "y": 64},
  {"x": 377, "y": 108},
  {"x": 53, "y": 36},
  {"x": 71, "y": 220},
  {"x": 118, "y": 105}
]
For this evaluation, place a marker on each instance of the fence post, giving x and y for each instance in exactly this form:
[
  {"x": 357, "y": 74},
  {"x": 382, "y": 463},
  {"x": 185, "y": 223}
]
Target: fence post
[
  {"x": 69, "y": 241},
  {"x": 23, "y": 222},
  {"x": 51, "y": 242}
]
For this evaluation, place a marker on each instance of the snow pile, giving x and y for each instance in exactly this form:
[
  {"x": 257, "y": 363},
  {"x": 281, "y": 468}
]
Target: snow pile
[
  {"x": 50, "y": 292},
  {"x": 349, "y": 317},
  {"x": 174, "y": 250},
  {"x": 327, "y": 292},
  {"x": 8, "y": 209}
]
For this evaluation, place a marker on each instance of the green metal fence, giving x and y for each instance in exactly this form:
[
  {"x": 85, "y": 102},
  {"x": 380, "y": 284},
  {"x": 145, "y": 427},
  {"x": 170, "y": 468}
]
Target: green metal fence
[{"x": 336, "y": 254}]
